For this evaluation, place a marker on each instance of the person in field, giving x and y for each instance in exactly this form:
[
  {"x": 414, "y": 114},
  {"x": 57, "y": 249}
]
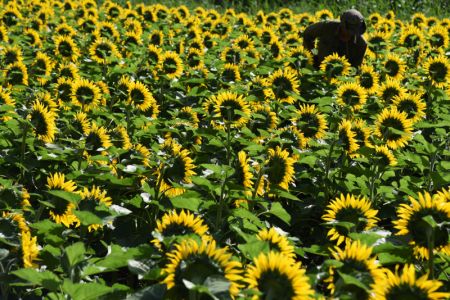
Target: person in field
[{"x": 344, "y": 38}]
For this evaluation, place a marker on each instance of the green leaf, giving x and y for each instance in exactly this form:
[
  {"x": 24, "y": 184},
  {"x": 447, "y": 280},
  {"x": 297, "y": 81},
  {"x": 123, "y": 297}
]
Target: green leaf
[
  {"x": 430, "y": 220},
  {"x": 317, "y": 249},
  {"x": 350, "y": 280},
  {"x": 153, "y": 292},
  {"x": 333, "y": 263},
  {"x": 87, "y": 218},
  {"x": 366, "y": 238},
  {"x": 189, "y": 200},
  {"x": 254, "y": 248},
  {"x": 75, "y": 253},
  {"x": 71, "y": 197},
  {"x": 45, "y": 279},
  {"x": 86, "y": 291},
  {"x": 278, "y": 210},
  {"x": 3, "y": 253},
  {"x": 217, "y": 284}
]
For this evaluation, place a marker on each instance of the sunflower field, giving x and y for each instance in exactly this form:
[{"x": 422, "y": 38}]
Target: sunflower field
[{"x": 155, "y": 152}]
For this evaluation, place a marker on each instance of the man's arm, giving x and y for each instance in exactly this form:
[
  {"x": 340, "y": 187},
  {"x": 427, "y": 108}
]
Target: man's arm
[
  {"x": 359, "y": 53},
  {"x": 314, "y": 31}
]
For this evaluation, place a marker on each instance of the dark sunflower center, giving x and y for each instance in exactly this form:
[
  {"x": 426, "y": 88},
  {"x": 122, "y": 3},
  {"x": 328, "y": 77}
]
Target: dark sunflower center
[
  {"x": 176, "y": 171},
  {"x": 358, "y": 270},
  {"x": 360, "y": 137},
  {"x": 411, "y": 40},
  {"x": 84, "y": 94},
  {"x": 177, "y": 229},
  {"x": 281, "y": 86},
  {"x": 407, "y": 292},
  {"x": 392, "y": 129},
  {"x": 196, "y": 269},
  {"x": 277, "y": 170},
  {"x": 60, "y": 205},
  {"x": 65, "y": 49},
  {"x": 437, "y": 40},
  {"x": 389, "y": 93},
  {"x": 275, "y": 285},
  {"x": 266, "y": 37},
  {"x": 193, "y": 60},
  {"x": 377, "y": 44},
  {"x": 10, "y": 57},
  {"x": 39, "y": 122},
  {"x": 350, "y": 97},
  {"x": 261, "y": 122},
  {"x": 409, "y": 107},
  {"x": 438, "y": 71},
  {"x": 233, "y": 57},
  {"x": 366, "y": 80},
  {"x": 334, "y": 68},
  {"x": 155, "y": 39},
  {"x": 15, "y": 75},
  {"x": 275, "y": 49},
  {"x": 243, "y": 44},
  {"x": 308, "y": 124},
  {"x": 392, "y": 68},
  {"x": 153, "y": 57},
  {"x": 351, "y": 215},
  {"x": 40, "y": 67},
  {"x": 229, "y": 75},
  {"x": 106, "y": 31},
  {"x": 93, "y": 142},
  {"x": 103, "y": 51},
  {"x": 344, "y": 138},
  {"x": 227, "y": 110},
  {"x": 170, "y": 66},
  {"x": 64, "y": 91},
  {"x": 418, "y": 227},
  {"x": 137, "y": 96}
]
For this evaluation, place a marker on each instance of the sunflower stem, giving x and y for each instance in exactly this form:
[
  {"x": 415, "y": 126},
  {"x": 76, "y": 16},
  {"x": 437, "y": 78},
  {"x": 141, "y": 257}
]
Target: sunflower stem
[
  {"x": 25, "y": 127},
  {"x": 228, "y": 124},
  {"x": 430, "y": 237},
  {"x": 221, "y": 201},
  {"x": 255, "y": 190},
  {"x": 158, "y": 184},
  {"x": 374, "y": 172},
  {"x": 327, "y": 168}
]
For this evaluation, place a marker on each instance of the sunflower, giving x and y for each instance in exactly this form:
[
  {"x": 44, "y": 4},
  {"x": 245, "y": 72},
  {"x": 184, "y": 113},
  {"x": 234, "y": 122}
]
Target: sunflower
[
  {"x": 411, "y": 37},
  {"x": 347, "y": 208},
  {"x": 30, "y": 249},
  {"x": 411, "y": 221},
  {"x": 132, "y": 25},
  {"x": 274, "y": 274},
  {"x": 243, "y": 174},
  {"x": 406, "y": 286},
  {"x": 386, "y": 156},
  {"x": 438, "y": 71},
  {"x": 438, "y": 37},
  {"x": 107, "y": 31},
  {"x": 281, "y": 84},
  {"x": 63, "y": 92},
  {"x": 6, "y": 99},
  {"x": 97, "y": 139},
  {"x": 393, "y": 127},
  {"x": 362, "y": 132},
  {"x": 335, "y": 66},
  {"x": 65, "y": 29},
  {"x": 178, "y": 169},
  {"x": 418, "y": 19},
  {"x": 87, "y": 25},
  {"x": 351, "y": 95},
  {"x": 43, "y": 121},
  {"x": 171, "y": 65},
  {"x": 347, "y": 137},
  {"x": 32, "y": 38},
  {"x": 69, "y": 70},
  {"x": 42, "y": 67},
  {"x": 225, "y": 104},
  {"x": 279, "y": 168},
  {"x": 3, "y": 34},
  {"x": 377, "y": 41},
  {"x": 89, "y": 199},
  {"x": 16, "y": 74},
  {"x": 262, "y": 118},
  {"x": 10, "y": 16},
  {"x": 11, "y": 54},
  {"x": 153, "y": 55},
  {"x": 46, "y": 99},
  {"x": 194, "y": 59},
  {"x": 276, "y": 49},
  {"x": 387, "y": 27},
  {"x": 368, "y": 79},
  {"x": 62, "y": 210},
  {"x": 103, "y": 51},
  {"x": 156, "y": 38},
  {"x": 278, "y": 243},
  {"x": 195, "y": 262},
  {"x": 176, "y": 224},
  {"x": 81, "y": 124},
  {"x": 390, "y": 89},
  {"x": 85, "y": 93},
  {"x": 139, "y": 96},
  {"x": 141, "y": 152},
  {"x": 410, "y": 104},
  {"x": 394, "y": 66},
  {"x": 121, "y": 138},
  {"x": 299, "y": 57},
  {"x": 230, "y": 73},
  {"x": 244, "y": 42},
  {"x": 294, "y": 136},
  {"x": 310, "y": 121},
  {"x": 231, "y": 55},
  {"x": 66, "y": 48},
  {"x": 357, "y": 261}
]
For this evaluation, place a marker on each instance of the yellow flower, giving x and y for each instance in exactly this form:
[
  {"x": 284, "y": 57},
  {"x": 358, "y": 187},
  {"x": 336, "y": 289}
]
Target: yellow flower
[
  {"x": 43, "y": 121},
  {"x": 351, "y": 95},
  {"x": 276, "y": 275},
  {"x": 97, "y": 195},
  {"x": 280, "y": 168},
  {"x": 171, "y": 65},
  {"x": 347, "y": 137},
  {"x": 394, "y": 286},
  {"x": 438, "y": 71},
  {"x": 30, "y": 250},
  {"x": 281, "y": 85},
  {"x": 310, "y": 121},
  {"x": 66, "y": 48},
  {"x": 387, "y": 157},
  {"x": 334, "y": 66},
  {"x": 278, "y": 243},
  {"x": 85, "y": 93},
  {"x": 393, "y": 128},
  {"x": 410, "y": 104},
  {"x": 140, "y": 96},
  {"x": 347, "y": 208},
  {"x": 190, "y": 255},
  {"x": 411, "y": 222},
  {"x": 225, "y": 104}
]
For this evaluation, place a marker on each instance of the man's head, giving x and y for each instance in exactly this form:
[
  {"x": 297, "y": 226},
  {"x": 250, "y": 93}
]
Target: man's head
[{"x": 352, "y": 22}]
